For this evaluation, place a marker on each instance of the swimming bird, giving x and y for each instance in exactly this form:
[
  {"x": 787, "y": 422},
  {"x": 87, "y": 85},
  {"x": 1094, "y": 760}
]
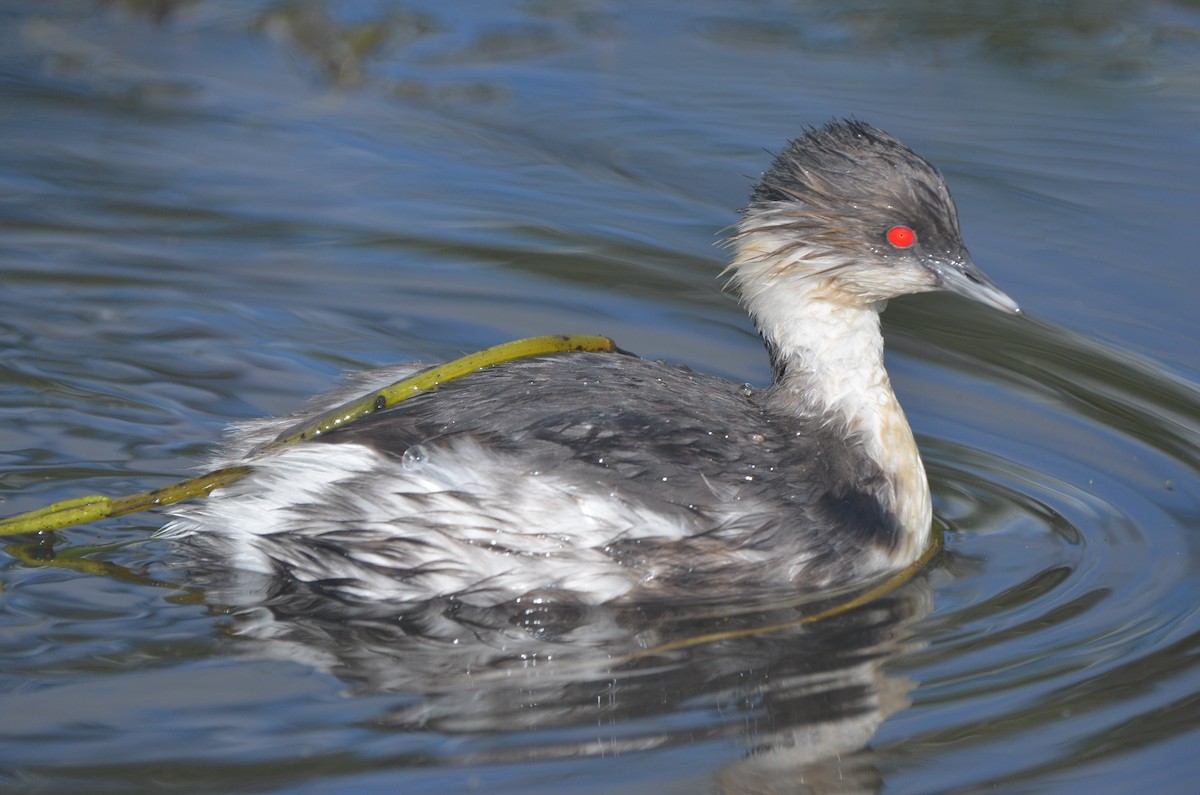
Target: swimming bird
[{"x": 608, "y": 478}]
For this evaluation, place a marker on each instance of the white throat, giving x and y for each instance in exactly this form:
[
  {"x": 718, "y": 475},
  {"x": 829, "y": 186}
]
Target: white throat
[{"x": 831, "y": 347}]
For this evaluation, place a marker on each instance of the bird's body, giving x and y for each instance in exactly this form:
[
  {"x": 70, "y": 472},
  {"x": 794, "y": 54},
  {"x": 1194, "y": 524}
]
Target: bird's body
[{"x": 603, "y": 477}]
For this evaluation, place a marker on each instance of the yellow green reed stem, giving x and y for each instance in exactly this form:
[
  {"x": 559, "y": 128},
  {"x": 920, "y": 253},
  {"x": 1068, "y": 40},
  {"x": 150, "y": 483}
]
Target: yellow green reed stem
[
  {"x": 430, "y": 378},
  {"x": 81, "y": 510},
  {"x": 97, "y": 506}
]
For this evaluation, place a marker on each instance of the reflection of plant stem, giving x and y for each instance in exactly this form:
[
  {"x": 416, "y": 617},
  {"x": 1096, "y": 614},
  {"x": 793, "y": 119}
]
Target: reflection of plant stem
[
  {"x": 837, "y": 608},
  {"x": 81, "y": 510},
  {"x": 42, "y": 553}
]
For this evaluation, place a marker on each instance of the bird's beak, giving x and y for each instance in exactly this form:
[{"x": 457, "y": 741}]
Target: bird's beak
[{"x": 964, "y": 277}]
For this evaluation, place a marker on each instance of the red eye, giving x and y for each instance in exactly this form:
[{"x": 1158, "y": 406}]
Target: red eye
[{"x": 901, "y": 236}]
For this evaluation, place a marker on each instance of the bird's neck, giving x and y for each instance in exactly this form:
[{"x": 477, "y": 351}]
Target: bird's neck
[{"x": 828, "y": 356}]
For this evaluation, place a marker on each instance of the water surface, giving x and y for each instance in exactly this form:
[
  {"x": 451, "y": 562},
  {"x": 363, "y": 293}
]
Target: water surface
[{"x": 210, "y": 210}]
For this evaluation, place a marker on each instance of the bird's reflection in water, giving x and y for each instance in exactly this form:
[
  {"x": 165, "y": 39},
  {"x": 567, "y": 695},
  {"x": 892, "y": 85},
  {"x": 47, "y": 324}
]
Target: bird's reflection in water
[{"x": 546, "y": 679}]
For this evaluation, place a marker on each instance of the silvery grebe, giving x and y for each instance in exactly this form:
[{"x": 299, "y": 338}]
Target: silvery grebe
[{"x": 602, "y": 477}]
